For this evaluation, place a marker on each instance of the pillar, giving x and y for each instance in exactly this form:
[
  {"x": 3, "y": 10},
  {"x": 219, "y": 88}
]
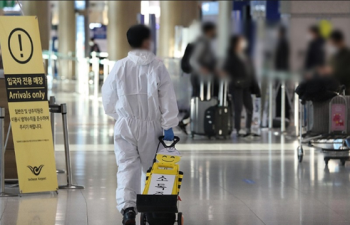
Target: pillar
[
  {"x": 42, "y": 10},
  {"x": 174, "y": 13},
  {"x": 224, "y": 26},
  {"x": 121, "y": 15},
  {"x": 66, "y": 38}
]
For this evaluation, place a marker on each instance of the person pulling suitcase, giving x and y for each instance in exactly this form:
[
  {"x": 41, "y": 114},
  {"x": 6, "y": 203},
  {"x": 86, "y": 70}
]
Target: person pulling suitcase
[{"x": 223, "y": 114}]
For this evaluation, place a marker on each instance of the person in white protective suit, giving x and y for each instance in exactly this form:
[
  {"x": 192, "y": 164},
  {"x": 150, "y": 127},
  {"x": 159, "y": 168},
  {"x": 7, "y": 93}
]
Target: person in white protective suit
[{"x": 139, "y": 95}]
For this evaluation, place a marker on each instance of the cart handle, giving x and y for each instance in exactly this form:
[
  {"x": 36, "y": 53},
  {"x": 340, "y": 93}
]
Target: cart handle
[
  {"x": 342, "y": 90},
  {"x": 175, "y": 141}
]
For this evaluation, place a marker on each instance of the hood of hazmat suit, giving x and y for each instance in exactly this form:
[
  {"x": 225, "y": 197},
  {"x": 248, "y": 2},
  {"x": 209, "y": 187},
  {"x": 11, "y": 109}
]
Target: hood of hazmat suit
[{"x": 139, "y": 95}]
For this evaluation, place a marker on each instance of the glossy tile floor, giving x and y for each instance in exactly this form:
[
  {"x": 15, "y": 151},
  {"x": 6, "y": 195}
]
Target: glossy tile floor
[{"x": 246, "y": 182}]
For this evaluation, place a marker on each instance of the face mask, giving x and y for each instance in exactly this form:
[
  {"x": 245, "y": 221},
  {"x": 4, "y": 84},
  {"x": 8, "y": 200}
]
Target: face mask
[
  {"x": 91, "y": 43},
  {"x": 331, "y": 49},
  {"x": 308, "y": 37},
  {"x": 244, "y": 44}
]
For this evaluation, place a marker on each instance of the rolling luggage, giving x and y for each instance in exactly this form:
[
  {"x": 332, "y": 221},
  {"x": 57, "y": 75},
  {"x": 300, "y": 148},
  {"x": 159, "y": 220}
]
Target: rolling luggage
[
  {"x": 277, "y": 122},
  {"x": 230, "y": 120},
  {"x": 218, "y": 119},
  {"x": 209, "y": 121},
  {"x": 223, "y": 115},
  {"x": 338, "y": 115},
  {"x": 199, "y": 106},
  {"x": 334, "y": 109},
  {"x": 317, "y": 120}
]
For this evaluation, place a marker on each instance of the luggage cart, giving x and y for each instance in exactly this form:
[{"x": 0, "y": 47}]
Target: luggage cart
[
  {"x": 159, "y": 202},
  {"x": 331, "y": 121}
]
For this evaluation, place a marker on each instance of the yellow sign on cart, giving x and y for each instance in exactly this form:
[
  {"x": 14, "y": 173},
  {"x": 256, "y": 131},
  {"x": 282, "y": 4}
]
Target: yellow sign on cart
[{"x": 28, "y": 103}]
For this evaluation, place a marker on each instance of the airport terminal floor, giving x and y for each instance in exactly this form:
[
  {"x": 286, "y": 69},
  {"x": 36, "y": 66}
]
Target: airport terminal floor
[{"x": 237, "y": 181}]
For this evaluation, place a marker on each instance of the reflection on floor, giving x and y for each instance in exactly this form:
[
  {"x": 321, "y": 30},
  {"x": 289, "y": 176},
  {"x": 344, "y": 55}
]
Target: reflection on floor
[
  {"x": 235, "y": 181},
  {"x": 219, "y": 187}
]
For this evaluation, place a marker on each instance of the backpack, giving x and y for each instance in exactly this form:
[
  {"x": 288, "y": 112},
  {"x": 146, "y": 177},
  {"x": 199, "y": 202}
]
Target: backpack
[{"x": 185, "y": 61}]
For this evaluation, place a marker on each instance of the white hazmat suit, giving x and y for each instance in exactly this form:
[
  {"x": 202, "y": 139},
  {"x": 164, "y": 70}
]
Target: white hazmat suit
[{"x": 139, "y": 95}]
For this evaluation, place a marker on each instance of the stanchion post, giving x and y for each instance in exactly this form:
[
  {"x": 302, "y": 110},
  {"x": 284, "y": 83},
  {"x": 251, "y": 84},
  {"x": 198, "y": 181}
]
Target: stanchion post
[
  {"x": 270, "y": 103},
  {"x": 300, "y": 147},
  {"x": 67, "y": 153},
  {"x": 2, "y": 155},
  {"x": 2, "y": 150},
  {"x": 283, "y": 103},
  {"x": 52, "y": 117},
  {"x": 296, "y": 111},
  {"x": 96, "y": 70}
]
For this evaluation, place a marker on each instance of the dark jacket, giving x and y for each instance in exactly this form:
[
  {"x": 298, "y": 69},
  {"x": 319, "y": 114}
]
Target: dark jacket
[
  {"x": 315, "y": 54},
  {"x": 282, "y": 55},
  {"x": 242, "y": 74},
  {"x": 318, "y": 89},
  {"x": 340, "y": 64}
]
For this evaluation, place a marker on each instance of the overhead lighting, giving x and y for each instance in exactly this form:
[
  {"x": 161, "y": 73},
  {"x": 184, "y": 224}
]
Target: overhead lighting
[{"x": 95, "y": 25}]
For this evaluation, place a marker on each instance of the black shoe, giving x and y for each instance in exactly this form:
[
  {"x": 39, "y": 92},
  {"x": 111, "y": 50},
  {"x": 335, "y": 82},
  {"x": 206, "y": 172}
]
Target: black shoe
[
  {"x": 182, "y": 126},
  {"x": 129, "y": 217}
]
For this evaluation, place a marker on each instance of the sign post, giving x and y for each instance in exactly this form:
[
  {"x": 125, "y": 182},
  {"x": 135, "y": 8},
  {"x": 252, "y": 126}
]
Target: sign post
[{"x": 28, "y": 103}]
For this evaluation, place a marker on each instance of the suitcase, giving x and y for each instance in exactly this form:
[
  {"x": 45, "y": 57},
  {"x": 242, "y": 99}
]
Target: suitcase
[
  {"x": 317, "y": 118},
  {"x": 199, "y": 107},
  {"x": 277, "y": 122},
  {"x": 318, "y": 111},
  {"x": 218, "y": 119},
  {"x": 209, "y": 121},
  {"x": 230, "y": 118},
  {"x": 338, "y": 115}
]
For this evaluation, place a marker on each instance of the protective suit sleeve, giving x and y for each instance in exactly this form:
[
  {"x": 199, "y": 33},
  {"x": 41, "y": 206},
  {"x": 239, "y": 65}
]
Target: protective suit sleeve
[
  {"x": 167, "y": 99},
  {"x": 110, "y": 96}
]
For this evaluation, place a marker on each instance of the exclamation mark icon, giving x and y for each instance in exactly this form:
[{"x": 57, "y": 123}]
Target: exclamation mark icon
[{"x": 20, "y": 44}]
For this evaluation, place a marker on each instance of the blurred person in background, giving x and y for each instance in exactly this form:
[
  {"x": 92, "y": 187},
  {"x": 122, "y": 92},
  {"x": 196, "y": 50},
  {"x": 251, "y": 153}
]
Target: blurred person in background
[
  {"x": 339, "y": 65},
  {"x": 325, "y": 81},
  {"x": 282, "y": 65},
  {"x": 282, "y": 51},
  {"x": 200, "y": 60},
  {"x": 203, "y": 60},
  {"x": 94, "y": 46},
  {"x": 315, "y": 53},
  {"x": 243, "y": 83}
]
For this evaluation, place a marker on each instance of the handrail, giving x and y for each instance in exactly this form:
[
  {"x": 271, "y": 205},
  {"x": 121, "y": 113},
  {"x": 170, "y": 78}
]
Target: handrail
[{"x": 281, "y": 75}]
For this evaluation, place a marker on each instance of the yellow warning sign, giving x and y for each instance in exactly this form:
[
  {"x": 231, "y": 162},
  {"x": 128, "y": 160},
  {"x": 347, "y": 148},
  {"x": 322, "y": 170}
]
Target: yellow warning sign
[{"x": 28, "y": 103}]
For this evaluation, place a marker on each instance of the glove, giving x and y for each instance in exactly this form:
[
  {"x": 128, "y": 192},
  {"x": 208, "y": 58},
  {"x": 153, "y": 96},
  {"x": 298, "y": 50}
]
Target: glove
[{"x": 169, "y": 135}]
